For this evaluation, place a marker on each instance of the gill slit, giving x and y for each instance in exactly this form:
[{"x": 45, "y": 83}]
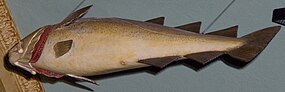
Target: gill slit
[{"x": 25, "y": 50}]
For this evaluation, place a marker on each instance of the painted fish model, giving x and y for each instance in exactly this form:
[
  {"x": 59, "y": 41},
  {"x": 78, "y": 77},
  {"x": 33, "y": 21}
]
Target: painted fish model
[{"x": 79, "y": 47}]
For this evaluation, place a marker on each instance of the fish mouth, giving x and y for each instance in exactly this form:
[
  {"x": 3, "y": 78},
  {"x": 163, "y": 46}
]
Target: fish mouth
[{"x": 26, "y": 67}]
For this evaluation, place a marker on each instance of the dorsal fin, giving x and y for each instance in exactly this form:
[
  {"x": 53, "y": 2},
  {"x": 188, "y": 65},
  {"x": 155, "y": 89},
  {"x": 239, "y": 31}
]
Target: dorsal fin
[
  {"x": 192, "y": 27},
  {"x": 159, "y": 20},
  {"x": 62, "y": 47},
  {"x": 75, "y": 15},
  {"x": 229, "y": 32}
]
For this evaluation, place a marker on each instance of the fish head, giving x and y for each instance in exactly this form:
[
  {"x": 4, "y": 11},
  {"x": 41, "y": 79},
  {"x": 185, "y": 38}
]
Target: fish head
[{"x": 21, "y": 53}]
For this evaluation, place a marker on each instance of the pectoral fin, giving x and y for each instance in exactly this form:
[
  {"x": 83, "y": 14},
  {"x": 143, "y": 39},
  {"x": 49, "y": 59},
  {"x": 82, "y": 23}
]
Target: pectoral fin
[
  {"x": 159, "y": 20},
  {"x": 204, "y": 57},
  {"x": 61, "y": 48},
  {"x": 160, "y": 61}
]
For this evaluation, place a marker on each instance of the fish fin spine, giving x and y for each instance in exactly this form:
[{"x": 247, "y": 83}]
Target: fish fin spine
[
  {"x": 192, "y": 27},
  {"x": 228, "y": 32},
  {"x": 158, "y": 20},
  {"x": 75, "y": 15}
]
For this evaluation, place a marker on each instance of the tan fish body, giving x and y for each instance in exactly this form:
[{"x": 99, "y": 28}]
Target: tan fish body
[
  {"x": 107, "y": 45},
  {"x": 94, "y": 46}
]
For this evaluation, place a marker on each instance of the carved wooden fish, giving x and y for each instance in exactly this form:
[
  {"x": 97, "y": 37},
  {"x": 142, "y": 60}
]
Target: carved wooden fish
[{"x": 79, "y": 47}]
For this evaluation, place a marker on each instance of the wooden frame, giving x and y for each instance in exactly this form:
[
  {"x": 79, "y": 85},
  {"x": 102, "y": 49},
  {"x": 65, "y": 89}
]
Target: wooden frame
[{"x": 12, "y": 80}]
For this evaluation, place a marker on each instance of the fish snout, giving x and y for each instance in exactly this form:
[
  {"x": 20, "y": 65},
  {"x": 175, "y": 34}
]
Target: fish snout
[{"x": 15, "y": 53}]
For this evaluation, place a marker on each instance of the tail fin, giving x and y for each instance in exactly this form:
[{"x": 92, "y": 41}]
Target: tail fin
[{"x": 256, "y": 42}]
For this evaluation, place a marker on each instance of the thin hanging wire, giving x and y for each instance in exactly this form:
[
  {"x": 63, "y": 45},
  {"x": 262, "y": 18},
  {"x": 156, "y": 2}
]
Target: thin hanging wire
[
  {"x": 211, "y": 24},
  {"x": 78, "y": 6}
]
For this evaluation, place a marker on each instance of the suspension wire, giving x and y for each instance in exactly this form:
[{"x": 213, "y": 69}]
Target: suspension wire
[
  {"x": 78, "y": 6},
  {"x": 211, "y": 24}
]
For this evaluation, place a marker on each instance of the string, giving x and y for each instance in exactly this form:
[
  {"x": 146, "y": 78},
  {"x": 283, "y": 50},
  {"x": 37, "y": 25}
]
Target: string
[
  {"x": 78, "y": 6},
  {"x": 211, "y": 24}
]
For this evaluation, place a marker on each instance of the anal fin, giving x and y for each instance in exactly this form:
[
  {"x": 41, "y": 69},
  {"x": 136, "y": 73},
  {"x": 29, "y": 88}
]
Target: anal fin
[
  {"x": 228, "y": 32},
  {"x": 204, "y": 57},
  {"x": 192, "y": 27},
  {"x": 159, "y": 20},
  {"x": 160, "y": 61}
]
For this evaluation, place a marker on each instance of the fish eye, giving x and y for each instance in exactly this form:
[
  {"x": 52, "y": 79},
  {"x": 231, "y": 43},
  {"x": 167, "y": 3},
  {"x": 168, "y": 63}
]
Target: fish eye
[{"x": 20, "y": 50}]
